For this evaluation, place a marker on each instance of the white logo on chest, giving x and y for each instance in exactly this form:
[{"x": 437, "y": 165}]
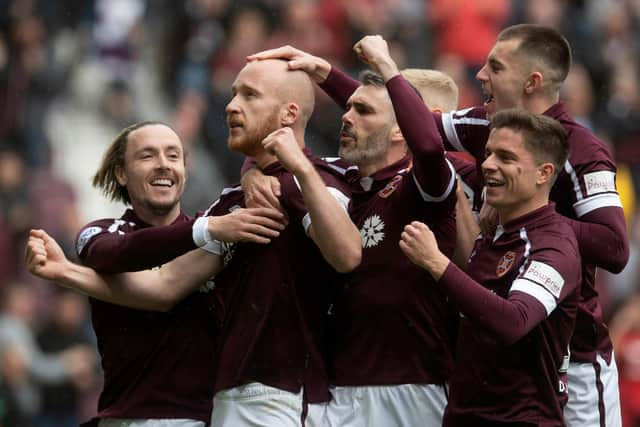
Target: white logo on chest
[{"x": 372, "y": 231}]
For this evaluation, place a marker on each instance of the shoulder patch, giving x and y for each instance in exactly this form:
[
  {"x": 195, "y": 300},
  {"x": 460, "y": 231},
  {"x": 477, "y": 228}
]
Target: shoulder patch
[
  {"x": 600, "y": 182},
  {"x": 545, "y": 276},
  {"x": 85, "y": 236}
]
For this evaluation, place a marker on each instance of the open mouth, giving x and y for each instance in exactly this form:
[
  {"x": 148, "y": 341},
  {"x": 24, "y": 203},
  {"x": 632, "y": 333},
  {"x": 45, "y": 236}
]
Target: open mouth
[
  {"x": 162, "y": 182},
  {"x": 488, "y": 98},
  {"x": 493, "y": 183}
]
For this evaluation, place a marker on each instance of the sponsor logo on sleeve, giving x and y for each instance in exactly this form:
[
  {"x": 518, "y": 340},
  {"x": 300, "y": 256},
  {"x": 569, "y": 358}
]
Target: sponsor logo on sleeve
[
  {"x": 505, "y": 263},
  {"x": 546, "y": 276},
  {"x": 600, "y": 182},
  {"x": 85, "y": 236}
]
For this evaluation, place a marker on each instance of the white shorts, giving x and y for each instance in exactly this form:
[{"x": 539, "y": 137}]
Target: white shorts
[
  {"x": 385, "y": 406},
  {"x": 594, "y": 400},
  {"x": 257, "y": 405},
  {"x": 155, "y": 422}
]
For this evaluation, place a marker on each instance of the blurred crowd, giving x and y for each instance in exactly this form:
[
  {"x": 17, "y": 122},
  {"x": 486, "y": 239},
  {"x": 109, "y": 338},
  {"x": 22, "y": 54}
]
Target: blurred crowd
[{"x": 74, "y": 72}]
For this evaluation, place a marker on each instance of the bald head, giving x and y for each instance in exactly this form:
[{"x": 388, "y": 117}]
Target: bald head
[{"x": 289, "y": 86}]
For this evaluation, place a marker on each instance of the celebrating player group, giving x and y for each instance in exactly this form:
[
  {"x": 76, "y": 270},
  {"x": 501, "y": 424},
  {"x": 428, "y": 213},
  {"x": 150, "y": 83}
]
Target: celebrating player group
[{"x": 395, "y": 285}]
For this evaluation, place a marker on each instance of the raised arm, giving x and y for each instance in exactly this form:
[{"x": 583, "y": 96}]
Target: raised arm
[
  {"x": 511, "y": 318},
  {"x": 434, "y": 175},
  {"x": 331, "y": 229}
]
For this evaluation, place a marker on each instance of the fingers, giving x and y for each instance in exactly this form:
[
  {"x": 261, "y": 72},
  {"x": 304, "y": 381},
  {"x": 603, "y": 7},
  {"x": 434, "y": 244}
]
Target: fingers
[
  {"x": 262, "y": 197},
  {"x": 268, "y": 212},
  {"x": 35, "y": 254},
  {"x": 282, "y": 52},
  {"x": 276, "y": 189}
]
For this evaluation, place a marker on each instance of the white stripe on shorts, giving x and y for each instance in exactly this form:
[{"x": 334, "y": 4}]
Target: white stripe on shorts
[{"x": 585, "y": 397}]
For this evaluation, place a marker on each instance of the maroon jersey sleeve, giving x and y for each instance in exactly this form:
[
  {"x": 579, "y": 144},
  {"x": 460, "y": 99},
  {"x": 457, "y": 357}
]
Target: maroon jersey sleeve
[
  {"x": 105, "y": 245},
  {"x": 589, "y": 185},
  {"x": 464, "y": 130},
  {"x": 547, "y": 277},
  {"x": 339, "y": 86},
  {"x": 432, "y": 172},
  {"x": 293, "y": 199},
  {"x": 602, "y": 238}
]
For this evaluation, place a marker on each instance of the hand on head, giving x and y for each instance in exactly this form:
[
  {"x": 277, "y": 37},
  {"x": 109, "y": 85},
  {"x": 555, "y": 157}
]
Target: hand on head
[{"x": 317, "y": 68}]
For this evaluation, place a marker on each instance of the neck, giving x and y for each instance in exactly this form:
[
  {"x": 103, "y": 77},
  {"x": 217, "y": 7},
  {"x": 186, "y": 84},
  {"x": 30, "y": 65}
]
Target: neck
[
  {"x": 507, "y": 214},
  {"x": 157, "y": 218},
  {"x": 540, "y": 104}
]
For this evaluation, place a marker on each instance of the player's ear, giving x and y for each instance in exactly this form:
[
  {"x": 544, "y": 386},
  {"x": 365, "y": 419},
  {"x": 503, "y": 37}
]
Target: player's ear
[
  {"x": 534, "y": 82},
  {"x": 289, "y": 114},
  {"x": 121, "y": 176},
  {"x": 396, "y": 133},
  {"x": 546, "y": 172}
]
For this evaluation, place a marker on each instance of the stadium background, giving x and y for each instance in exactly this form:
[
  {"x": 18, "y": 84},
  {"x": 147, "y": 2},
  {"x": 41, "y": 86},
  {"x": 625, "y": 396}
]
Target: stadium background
[{"x": 74, "y": 72}]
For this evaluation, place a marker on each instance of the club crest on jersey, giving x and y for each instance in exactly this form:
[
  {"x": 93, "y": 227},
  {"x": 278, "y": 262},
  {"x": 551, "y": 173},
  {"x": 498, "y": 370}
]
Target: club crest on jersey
[
  {"x": 505, "y": 263},
  {"x": 372, "y": 231},
  {"x": 390, "y": 187}
]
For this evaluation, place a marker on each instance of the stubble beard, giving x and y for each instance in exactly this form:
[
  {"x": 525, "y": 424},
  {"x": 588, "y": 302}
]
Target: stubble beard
[{"x": 373, "y": 148}]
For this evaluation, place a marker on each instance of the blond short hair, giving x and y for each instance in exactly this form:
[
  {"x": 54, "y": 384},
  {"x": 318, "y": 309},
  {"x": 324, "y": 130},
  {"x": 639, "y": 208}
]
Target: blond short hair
[{"x": 438, "y": 90}]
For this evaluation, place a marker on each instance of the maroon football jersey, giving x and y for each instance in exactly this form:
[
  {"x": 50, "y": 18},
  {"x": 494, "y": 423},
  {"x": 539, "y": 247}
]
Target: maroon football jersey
[
  {"x": 470, "y": 177},
  {"x": 275, "y": 298},
  {"x": 390, "y": 325},
  {"x": 586, "y": 183},
  {"x": 156, "y": 365},
  {"x": 524, "y": 382}
]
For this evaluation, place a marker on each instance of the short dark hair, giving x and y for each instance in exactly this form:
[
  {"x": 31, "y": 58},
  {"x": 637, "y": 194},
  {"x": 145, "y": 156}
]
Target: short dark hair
[
  {"x": 105, "y": 178},
  {"x": 371, "y": 78},
  {"x": 543, "y": 136},
  {"x": 543, "y": 44}
]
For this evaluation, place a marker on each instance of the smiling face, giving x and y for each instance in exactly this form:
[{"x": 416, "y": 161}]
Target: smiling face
[
  {"x": 153, "y": 172},
  {"x": 512, "y": 176},
  {"x": 503, "y": 77},
  {"x": 366, "y": 128}
]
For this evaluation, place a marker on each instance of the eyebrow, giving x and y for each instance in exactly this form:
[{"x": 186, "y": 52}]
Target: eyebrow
[
  {"x": 235, "y": 88},
  {"x": 361, "y": 106},
  {"x": 495, "y": 63}
]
